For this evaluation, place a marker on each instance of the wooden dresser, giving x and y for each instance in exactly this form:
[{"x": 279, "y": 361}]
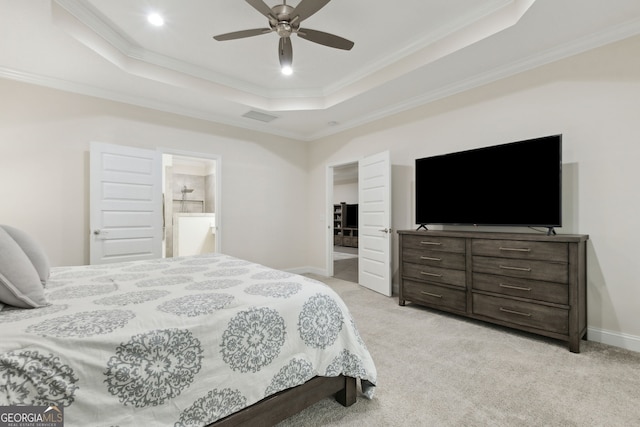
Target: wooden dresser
[{"x": 532, "y": 282}]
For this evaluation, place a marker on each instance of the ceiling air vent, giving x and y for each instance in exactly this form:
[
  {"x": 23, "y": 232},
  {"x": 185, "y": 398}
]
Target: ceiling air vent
[{"x": 257, "y": 115}]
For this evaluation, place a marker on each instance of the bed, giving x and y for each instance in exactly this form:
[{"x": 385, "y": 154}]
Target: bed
[{"x": 189, "y": 341}]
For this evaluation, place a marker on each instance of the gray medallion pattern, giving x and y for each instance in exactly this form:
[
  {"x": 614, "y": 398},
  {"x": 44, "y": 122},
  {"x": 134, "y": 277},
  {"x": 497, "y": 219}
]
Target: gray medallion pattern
[
  {"x": 14, "y": 314},
  {"x": 357, "y": 332},
  {"x": 196, "y": 305},
  {"x": 348, "y": 364},
  {"x": 272, "y": 275},
  {"x": 154, "y": 367},
  {"x": 185, "y": 270},
  {"x": 226, "y": 272},
  {"x": 81, "y": 291},
  {"x": 275, "y": 290},
  {"x": 113, "y": 266},
  {"x": 253, "y": 339},
  {"x": 123, "y": 277},
  {"x": 79, "y": 274},
  {"x": 31, "y": 378},
  {"x": 215, "y": 405},
  {"x": 164, "y": 281},
  {"x": 234, "y": 263},
  {"x": 145, "y": 267},
  {"x": 52, "y": 284},
  {"x": 200, "y": 261},
  {"x": 133, "y": 297},
  {"x": 212, "y": 285},
  {"x": 296, "y": 372},
  {"x": 320, "y": 321},
  {"x": 84, "y": 324}
]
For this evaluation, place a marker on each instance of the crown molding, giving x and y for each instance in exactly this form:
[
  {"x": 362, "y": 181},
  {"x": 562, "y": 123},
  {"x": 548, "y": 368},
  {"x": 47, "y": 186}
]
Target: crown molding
[{"x": 593, "y": 41}]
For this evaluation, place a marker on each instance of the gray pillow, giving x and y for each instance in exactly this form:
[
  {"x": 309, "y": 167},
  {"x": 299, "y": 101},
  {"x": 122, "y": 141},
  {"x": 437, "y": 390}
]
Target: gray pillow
[
  {"x": 20, "y": 284},
  {"x": 33, "y": 250}
]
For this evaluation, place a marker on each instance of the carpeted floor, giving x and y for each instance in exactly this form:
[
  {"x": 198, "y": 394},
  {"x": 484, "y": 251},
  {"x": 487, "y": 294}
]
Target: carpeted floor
[{"x": 436, "y": 369}]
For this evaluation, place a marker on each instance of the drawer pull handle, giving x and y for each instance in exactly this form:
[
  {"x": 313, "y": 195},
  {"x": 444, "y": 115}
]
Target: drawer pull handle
[
  {"x": 518, "y": 288},
  {"x": 506, "y": 267},
  {"x": 430, "y": 274},
  {"x": 519, "y": 313},
  {"x": 431, "y": 243},
  {"x": 515, "y": 249},
  {"x": 431, "y": 295},
  {"x": 429, "y": 258}
]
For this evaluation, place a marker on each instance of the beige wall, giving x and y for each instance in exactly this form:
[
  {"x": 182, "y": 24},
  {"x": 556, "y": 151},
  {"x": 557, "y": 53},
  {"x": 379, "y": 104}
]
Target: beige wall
[
  {"x": 44, "y": 172},
  {"x": 594, "y": 101}
]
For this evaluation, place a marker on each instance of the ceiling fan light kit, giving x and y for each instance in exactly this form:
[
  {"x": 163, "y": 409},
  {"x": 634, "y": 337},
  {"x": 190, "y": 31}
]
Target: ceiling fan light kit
[{"x": 285, "y": 20}]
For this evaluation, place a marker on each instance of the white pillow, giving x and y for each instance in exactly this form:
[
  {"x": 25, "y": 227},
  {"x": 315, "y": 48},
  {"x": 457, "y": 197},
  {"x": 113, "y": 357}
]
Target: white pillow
[
  {"x": 20, "y": 284},
  {"x": 33, "y": 250}
]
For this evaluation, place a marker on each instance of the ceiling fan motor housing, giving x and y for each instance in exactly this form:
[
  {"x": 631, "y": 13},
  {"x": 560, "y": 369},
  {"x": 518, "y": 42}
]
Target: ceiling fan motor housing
[{"x": 283, "y": 26}]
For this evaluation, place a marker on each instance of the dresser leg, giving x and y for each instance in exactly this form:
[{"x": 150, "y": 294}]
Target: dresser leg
[
  {"x": 401, "y": 302},
  {"x": 574, "y": 345}
]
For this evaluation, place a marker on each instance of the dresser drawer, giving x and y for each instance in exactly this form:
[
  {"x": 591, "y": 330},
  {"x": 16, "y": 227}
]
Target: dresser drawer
[
  {"x": 434, "y": 274},
  {"x": 522, "y": 313},
  {"x": 425, "y": 293},
  {"x": 548, "y": 251},
  {"x": 434, "y": 243},
  {"x": 434, "y": 258},
  {"x": 512, "y": 286},
  {"x": 523, "y": 268}
]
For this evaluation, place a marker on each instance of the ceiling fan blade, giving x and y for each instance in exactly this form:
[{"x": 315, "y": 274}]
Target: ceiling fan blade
[
  {"x": 285, "y": 52},
  {"x": 242, "y": 34},
  {"x": 262, "y": 7},
  {"x": 306, "y": 8},
  {"x": 326, "y": 39}
]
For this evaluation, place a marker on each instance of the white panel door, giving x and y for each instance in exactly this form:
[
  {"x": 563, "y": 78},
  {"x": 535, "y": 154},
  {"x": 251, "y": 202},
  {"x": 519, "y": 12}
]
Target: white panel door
[
  {"x": 374, "y": 222},
  {"x": 125, "y": 203}
]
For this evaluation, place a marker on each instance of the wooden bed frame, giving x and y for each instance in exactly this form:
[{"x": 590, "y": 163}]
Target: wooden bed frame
[{"x": 273, "y": 409}]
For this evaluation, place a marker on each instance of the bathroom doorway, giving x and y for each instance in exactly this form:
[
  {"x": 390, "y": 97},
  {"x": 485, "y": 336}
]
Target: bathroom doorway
[{"x": 190, "y": 200}]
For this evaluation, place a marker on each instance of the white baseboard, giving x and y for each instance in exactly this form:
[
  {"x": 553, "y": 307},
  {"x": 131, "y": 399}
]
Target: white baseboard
[{"x": 618, "y": 339}]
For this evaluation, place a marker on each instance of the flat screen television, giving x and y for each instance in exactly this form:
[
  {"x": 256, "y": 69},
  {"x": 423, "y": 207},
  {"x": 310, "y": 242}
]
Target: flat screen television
[
  {"x": 352, "y": 216},
  {"x": 514, "y": 184}
]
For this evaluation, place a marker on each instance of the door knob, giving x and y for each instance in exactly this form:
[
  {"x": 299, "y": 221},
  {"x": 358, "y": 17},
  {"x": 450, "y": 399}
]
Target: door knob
[{"x": 96, "y": 232}]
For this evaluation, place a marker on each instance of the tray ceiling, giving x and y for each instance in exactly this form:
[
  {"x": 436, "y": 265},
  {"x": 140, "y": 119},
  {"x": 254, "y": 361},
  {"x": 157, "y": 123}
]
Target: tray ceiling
[{"x": 407, "y": 53}]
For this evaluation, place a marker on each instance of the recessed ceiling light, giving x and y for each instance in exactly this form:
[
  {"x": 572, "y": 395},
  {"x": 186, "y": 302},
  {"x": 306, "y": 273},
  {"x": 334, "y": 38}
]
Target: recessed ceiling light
[
  {"x": 286, "y": 70},
  {"x": 155, "y": 19}
]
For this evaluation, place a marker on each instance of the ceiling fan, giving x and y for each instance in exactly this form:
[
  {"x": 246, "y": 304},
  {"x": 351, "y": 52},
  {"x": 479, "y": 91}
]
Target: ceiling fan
[{"x": 285, "y": 20}]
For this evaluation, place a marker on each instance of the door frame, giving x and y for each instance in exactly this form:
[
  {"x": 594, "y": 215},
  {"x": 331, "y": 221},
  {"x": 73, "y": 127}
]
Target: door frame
[
  {"x": 217, "y": 159},
  {"x": 329, "y": 211}
]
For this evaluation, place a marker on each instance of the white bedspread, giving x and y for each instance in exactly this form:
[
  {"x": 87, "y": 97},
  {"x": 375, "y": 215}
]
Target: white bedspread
[{"x": 178, "y": 341}]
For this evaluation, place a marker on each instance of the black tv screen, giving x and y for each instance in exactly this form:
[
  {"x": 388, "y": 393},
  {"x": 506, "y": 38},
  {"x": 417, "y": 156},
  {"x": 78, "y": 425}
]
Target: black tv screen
[
  {"x": 515, "y": 184},
  {"x": 352, "y": 216}
]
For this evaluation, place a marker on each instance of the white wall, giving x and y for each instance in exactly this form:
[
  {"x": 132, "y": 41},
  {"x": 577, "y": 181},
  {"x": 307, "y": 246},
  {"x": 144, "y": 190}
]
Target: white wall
[
  {"x": 44, "y": 162},
  {"x": 592, "y": 99},
  {"x": 347, "y": 193}
]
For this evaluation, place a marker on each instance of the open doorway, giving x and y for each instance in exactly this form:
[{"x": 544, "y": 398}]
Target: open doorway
[
  {"x": 345, "y": 222},
  {"x": 190, "y": 205}
]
